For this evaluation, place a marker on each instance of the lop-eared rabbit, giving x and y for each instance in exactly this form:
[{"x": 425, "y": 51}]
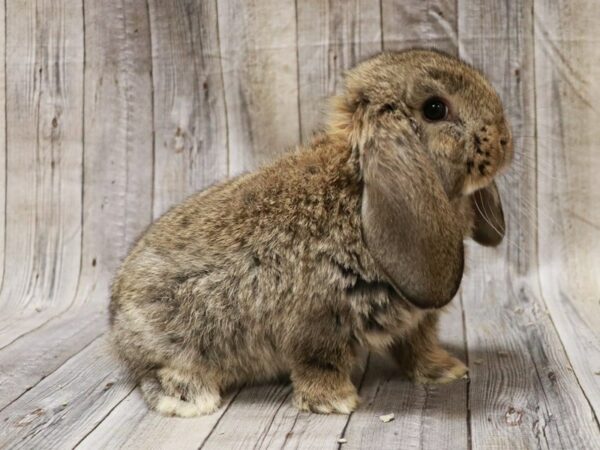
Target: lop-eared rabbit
[{"x": 354, "y": 240}]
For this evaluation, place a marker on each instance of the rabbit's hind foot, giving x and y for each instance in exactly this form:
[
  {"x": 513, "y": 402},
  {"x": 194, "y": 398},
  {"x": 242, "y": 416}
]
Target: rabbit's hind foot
[{"x": 170, "y": 394}]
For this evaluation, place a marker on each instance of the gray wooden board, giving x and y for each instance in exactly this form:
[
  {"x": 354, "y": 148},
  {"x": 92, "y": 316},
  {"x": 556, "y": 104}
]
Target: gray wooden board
[
  {"x": 65, "y": 406},
  {"x": 116, "y": 187},
  {"x": 39, "y": 353},
  {"x": 190, "y": 118},
  {"x": 567, "y": 79},
  {"x": 258, "y": 57},
  {"x": 115, "y": 111},
  {"x": 118, "y": 169},
  {"x": 44, "y": 102},
  {"x": 130, "y": 425},
  {"x": 264, "y": 416},
  {"x": 332, "y": 37},
  {"x": 14, "y": 325},
  {"x": 523, "y": 393},
  {"x": 419, "y": 24},
  {"x": 417, "y": 409},
  {"x": 42, "y": 155},
  {"x": 2, "y": 142}
]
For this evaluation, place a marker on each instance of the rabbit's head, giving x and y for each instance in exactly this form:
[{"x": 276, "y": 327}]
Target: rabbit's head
[{"x": 429, "y": 130}]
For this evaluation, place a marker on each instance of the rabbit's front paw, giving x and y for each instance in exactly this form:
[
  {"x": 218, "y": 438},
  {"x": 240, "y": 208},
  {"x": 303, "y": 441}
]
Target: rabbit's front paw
[
  {"x": 439, "y": 367},
  {"x": 327, "y": 403}
]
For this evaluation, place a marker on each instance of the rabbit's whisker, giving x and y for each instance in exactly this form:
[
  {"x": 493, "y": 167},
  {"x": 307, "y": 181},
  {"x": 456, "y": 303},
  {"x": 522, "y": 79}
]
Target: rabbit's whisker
[{"x": 529, "y": 167}]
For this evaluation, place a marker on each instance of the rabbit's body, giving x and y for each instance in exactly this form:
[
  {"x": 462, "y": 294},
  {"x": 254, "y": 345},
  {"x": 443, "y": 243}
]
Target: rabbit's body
[
  {"x": 238, "y": 294},
  {"x": 353, "y": 241}
]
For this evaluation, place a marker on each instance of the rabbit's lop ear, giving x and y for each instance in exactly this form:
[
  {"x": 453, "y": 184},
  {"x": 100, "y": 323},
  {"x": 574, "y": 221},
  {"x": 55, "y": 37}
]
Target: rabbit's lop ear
[
  {"x": 488, "y": 226},
  {"x": 409, "y": 226}
]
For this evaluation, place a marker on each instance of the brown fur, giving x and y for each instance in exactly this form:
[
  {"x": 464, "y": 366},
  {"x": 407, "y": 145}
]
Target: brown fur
[{"x": 337, "y": 245}]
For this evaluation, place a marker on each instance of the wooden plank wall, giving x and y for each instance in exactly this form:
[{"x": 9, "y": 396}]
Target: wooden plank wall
[{"x": 114, "y": 111}]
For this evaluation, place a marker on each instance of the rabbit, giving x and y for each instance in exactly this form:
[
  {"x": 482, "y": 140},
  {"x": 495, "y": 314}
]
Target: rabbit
[{"x": 352, "y": 241}]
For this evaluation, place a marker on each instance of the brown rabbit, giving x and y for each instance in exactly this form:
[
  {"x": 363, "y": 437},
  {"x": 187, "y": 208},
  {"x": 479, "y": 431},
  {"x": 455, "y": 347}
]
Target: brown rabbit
[{"x": 354, "y": 240}]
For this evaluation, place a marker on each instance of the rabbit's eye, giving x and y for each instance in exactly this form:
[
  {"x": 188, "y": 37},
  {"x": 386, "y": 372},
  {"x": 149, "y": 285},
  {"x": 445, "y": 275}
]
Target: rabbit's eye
[{"x": 435, "y": 109}]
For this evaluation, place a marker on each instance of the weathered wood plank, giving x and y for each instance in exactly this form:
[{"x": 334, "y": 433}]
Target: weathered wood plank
[
  {"x": 2, "y": 140},
  {"x": 34, "y": 356},
  {"x": 117, "y": 156},
  {"x": 264, "y": 417},
  {"x": 332, "y": 37},
  {"x": 13, "y": 325},
  {"x": 567, "y": 81},
  {"x": 417, "y": 24},
  {"x": 522, "y": 394},
  {"x": 417, "y": 409},
  {"x": 522, "y": 391},
  {"x": 258, "y": 49},
  {"x": 301, "y": 430},
  {"x": 118, "y": 168},
  {"x": 116, "y": 190},
  {"x": 190, "y": 117},
  {"x": 248, "y": 420},
  {"x": 64, "y": 407},
  {"x": 43, "y": 155},
  {"x": 130, "y": 425},
  {"x": 44, "y": 103}
]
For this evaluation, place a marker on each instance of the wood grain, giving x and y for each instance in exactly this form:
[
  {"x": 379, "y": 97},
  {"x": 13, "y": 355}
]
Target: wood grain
[
  {"x": 258, "y": 51},
  {"x": 43, "y": 161},
  {"x": 116, "y": 193},
  {"x": 410, "y": 24},
  {"x": 417, "y": 409},
  {"x": 567, "y": 81},
  {"x": 190, "y": 117},
  {"x": 118, "y": 169},
  {"x": 3, "y": 150},
  {"x": 114, "y": 111},
  {"x": 67, "y": 405},
  {"x": 130, "y": 425},
  {"x": 35, "y": 355},
  {"x": 264, "y": 416},
  {"x": 522, "y": 393},
  {"x": 332, "y": 37},
  {"x": 44, "y": 103}
]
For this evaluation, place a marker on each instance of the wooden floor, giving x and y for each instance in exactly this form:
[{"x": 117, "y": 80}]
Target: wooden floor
[
  {"x": 60, "y": 388},
  {"x": 112, "y": 111}
]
